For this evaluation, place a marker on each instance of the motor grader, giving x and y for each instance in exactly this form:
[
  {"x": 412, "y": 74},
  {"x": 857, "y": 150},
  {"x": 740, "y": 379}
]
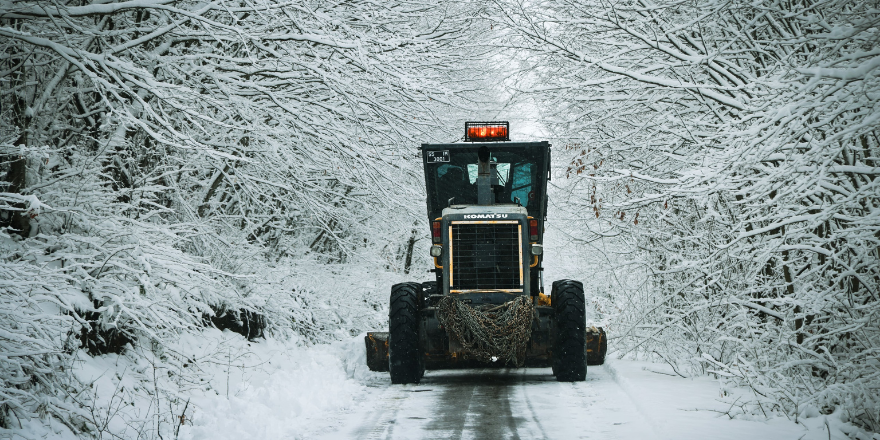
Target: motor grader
[{"x": 487, "y": 204}]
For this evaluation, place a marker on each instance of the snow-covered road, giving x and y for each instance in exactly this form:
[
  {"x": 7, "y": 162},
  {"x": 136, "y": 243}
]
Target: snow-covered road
[
  {"x": 326, "y": 392},
  {"x": 498, "y": 404},
  {"x": 621, "y": 400}
]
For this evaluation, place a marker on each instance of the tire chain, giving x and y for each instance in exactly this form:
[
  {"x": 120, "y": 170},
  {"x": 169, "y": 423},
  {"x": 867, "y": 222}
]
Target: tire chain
[{"x": 499, "y": 333}]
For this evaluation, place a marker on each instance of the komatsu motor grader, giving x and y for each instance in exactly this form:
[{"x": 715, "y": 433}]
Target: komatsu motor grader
[{"x": 487, "y": 204}]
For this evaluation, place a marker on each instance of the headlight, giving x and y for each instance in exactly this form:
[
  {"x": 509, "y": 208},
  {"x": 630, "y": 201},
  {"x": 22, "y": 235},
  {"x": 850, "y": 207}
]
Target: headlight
[
  {"x": 436, "y": 251},
  {"x": 537, "y": 249}
]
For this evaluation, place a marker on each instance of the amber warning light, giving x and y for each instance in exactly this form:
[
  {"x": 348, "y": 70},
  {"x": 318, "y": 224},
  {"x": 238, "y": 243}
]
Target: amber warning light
[{"x": 486, "y": 131}]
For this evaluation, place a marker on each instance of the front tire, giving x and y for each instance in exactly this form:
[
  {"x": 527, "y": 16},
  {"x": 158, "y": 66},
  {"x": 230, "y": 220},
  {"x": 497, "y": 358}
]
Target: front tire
[
  {"x": 404, "y": 355},
  {"x": 570, "y": 340}
]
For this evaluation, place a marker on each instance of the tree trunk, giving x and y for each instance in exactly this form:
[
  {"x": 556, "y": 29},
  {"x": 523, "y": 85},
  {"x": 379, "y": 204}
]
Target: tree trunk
[{"x": 409, "y": 248}]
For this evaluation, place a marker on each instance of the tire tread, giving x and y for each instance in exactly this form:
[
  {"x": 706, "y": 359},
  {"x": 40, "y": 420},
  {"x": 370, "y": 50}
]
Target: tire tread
[
  {"x": 569, "y": 346},
  {"x": 404, "y": 355}
]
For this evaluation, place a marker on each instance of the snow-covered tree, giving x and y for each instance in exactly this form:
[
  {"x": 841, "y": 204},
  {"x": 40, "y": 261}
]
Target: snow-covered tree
[
  {"x": 732, "y": 148},
  {"x": 166, "y": 161}
]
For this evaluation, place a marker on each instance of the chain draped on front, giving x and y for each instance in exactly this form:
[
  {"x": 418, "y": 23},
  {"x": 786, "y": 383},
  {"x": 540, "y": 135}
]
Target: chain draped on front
[{"x": 500, "y": 333}]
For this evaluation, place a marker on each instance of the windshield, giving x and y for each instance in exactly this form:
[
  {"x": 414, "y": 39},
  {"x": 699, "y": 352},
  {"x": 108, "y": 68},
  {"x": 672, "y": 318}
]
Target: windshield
[{"x": 452, "y": 174}]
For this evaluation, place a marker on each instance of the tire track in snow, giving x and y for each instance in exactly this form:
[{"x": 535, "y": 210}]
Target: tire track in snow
[
  {"x": 454, "y": 405},
  {"x": 622, "y": 383},
  {"x": 490, "y": 415},
  {"x": 380, "y": 423},
  {"x": 474, "y": 404},
  {"x": 524, "y": 389},
  {"x": 525, "y": 403}
]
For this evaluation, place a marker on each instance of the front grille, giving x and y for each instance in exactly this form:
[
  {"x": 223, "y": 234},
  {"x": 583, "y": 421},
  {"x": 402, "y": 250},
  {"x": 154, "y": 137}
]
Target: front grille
[{"x": 485, "y": 256}]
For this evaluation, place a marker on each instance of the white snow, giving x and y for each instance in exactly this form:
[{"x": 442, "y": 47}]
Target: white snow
[
  {"x": 228, "y": 388},
  {"x": 281, "y": 395},
  {"x": 282, "y": 390}
]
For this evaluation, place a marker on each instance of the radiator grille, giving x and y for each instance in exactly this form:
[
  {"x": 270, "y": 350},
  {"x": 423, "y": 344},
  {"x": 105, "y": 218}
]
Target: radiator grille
[{"x": 486, "y": 256}]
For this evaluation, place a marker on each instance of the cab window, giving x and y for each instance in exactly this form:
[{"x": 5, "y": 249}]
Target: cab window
[{"x": 521, "y": 183}]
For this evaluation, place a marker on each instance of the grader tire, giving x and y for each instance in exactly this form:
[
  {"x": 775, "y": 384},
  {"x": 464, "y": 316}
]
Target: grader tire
[
  {"x": 569, "y": 343},
  {"x": 404, "y": 355}
]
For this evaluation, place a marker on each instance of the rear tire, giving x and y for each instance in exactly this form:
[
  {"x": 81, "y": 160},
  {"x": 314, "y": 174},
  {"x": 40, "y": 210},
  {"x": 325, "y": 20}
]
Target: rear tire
[
  {"x": 570, "y": 338},
  {"x": 404, "y": 355}
]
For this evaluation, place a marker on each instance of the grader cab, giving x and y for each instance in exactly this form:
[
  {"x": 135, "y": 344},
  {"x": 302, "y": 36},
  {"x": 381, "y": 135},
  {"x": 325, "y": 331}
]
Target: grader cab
[{"x": 487, "y": 204}]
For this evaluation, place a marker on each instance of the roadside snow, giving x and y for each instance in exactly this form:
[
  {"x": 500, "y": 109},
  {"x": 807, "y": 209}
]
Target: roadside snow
[
  {"x": 284, "y": 391},
  {"x": 232, "y": 389},
  {"x": 219, "y": 386},
  {"x": 685, "y": 408}
]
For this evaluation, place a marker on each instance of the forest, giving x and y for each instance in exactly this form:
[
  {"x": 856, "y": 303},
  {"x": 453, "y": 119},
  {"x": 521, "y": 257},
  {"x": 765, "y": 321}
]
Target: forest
[{"x": 168, "y": 167}]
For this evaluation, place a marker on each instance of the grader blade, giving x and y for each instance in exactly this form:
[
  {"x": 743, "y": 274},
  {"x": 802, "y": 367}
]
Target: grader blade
[
  {"x": 597, "y": 346},
  {"x": 377, "y": 351}
]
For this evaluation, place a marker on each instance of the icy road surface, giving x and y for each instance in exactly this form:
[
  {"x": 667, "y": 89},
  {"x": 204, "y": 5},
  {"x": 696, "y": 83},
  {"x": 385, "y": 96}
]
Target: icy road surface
[
  {"x": 326, "y": 392},
  {"x": 621, "y": 400},
  {"x": 499, "y": 404}
]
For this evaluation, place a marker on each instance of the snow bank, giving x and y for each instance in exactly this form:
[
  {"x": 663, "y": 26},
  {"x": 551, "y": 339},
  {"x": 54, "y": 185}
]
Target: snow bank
[
  {"x": 692, "y": 408},
  {"x": 225, "y": 387},
  {"x": 233, "y": 389},
  {"x": 287, "y": 388}
]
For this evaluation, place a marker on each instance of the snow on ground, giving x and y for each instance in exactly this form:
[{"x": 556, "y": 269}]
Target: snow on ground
[
  {"x": 231, "y": 389},
  {"x": 621, "y": 400},
  {"x": 684, "y": 408},
  {"x": 286, "y": 391},
  {"x": 216, "y": 385}
]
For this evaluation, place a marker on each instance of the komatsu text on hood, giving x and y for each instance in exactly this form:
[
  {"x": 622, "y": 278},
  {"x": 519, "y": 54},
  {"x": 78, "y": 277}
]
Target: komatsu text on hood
[{"x": 485, "y": 216}]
